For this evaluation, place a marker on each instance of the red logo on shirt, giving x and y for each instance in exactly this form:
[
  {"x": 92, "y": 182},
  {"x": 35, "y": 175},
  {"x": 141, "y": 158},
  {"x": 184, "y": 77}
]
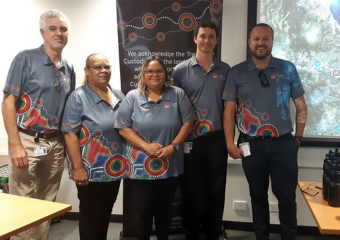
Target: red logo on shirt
[
  {"x": 214, "y": 75},
  {"x": 64, "y": 77},
  {"x": 166, "y": 105},
  {"x": 273, "y": 76}
]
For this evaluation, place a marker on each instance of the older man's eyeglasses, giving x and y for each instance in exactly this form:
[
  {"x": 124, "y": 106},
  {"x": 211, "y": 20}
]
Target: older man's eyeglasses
[
  {"x": 151, "y": 72},
  {"x": 264, "y": 79},
  {"x": 311, "y": 189},
  {"x": 56, "y": 78},
  {"x": 99, "y": 68}
]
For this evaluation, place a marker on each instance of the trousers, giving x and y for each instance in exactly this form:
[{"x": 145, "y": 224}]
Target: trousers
[
  {"x": 40, "y": 180},
  {"x": 275, "y": 159},
  {"x": 203, "y": 186},
  {"x": 153, "y": 199},
  {"x": 96, "y": 201}
]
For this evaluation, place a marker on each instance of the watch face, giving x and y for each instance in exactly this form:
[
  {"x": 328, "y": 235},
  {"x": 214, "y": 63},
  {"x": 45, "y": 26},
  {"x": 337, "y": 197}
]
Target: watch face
[{"x": 176, "y": 147}]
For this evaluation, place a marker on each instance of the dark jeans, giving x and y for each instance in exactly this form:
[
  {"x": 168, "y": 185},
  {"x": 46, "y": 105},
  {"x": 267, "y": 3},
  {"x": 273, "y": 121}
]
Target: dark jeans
[
  {"x": 95, "y": 207},
  {"x": 203, "y": 186},
  {"x": 276, "y": 159},
  {"x": 153, "y": 198}
]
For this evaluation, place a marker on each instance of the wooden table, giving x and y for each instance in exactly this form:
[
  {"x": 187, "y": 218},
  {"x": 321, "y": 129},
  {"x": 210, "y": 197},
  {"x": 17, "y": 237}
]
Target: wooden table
[
  {"x": 327, "y": 218},
  {"x": 20, "y": 213}
]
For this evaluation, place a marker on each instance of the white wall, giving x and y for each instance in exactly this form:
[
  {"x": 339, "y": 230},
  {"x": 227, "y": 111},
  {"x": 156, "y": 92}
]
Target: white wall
[{"x": 94, "y": 30}]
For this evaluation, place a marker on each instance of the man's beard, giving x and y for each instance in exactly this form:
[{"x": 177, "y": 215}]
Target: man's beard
[{"x": 262, "y": 56}]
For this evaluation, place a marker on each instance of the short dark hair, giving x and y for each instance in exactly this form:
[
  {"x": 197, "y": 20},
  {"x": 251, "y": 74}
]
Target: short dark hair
[
  {"x": 263, "y": 25},
  {"x": 205, "y": 24}
]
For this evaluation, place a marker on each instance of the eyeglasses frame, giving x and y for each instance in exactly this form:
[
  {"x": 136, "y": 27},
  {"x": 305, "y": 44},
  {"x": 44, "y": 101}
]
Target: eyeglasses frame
[{"x": 264, "y": 79}]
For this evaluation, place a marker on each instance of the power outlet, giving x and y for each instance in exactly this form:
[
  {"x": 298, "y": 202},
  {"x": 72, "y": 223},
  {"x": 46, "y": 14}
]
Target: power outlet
[
  {"x": 240, "y": 205},
  {"x": 273, "y": 207}
]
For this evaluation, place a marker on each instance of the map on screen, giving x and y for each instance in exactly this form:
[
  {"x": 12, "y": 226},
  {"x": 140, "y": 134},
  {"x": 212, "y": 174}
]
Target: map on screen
[{"x": 307, "y": 33}]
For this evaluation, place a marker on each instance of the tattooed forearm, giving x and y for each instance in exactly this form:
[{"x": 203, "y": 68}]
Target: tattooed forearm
[{"x": 301, "y": 110}]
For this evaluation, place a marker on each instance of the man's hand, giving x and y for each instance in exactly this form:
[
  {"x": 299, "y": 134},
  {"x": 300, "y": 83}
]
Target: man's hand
[
  {"x": 298, "y": 141},
  {"x": 19, "y": 156},
  {"x": 234, "y": 152},
  {"x": 18, "y": 153}
]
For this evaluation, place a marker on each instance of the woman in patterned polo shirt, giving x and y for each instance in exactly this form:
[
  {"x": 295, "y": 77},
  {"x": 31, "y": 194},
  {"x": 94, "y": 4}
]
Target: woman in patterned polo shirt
[
  {"x": 95, "y": 150},
  {"x": 154, "y": 119}
]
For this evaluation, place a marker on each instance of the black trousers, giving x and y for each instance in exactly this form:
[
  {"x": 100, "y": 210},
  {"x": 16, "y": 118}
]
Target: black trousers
[
  {"x": 203, "y": 186},
  {"x": 276, "y": 159},
  {"x": 95, "y": 207},
  {"x": 153, "y": 198}
]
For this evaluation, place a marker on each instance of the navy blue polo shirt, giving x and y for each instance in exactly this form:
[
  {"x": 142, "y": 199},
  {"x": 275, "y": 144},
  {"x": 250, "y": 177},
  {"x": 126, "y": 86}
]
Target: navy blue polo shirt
[
  {"x": 101, "y": 146},
  {"x": 205, "y": 92},
  {"x": 160, "y": 122},
  {"x": 31, "y": 77},
  {"x": 263, "y": 111}
]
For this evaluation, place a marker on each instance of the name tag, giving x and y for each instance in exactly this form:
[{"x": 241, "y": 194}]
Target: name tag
[
  {"x": 187, "y": 147},
  {"x": 245, "y": 149},
  {"x": 40, "y": 151}
]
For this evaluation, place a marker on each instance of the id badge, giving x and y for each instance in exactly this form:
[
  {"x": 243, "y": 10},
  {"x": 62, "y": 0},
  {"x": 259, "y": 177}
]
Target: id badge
[
  {"x": 187, "y": 147},
  {"x": 245, "y": 149},
  {"x": 40, "y": 151}
]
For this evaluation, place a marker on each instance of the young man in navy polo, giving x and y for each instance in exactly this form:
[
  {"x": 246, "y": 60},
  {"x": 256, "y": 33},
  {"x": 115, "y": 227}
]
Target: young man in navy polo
[{"x": 202, "y": 77}]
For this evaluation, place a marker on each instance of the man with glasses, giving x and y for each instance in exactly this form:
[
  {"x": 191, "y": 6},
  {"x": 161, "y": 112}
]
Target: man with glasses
[
  {"x": 37, "y": 86},
  {"x": 258, "y": 91},
  {"x": 202, "y": 77}
]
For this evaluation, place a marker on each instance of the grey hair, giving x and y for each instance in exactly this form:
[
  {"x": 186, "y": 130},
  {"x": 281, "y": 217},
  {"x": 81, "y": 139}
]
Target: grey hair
[{"x": 52, "y": 14}]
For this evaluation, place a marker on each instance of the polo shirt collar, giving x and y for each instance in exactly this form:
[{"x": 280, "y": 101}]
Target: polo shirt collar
[
  {"x": 143, "y": 99},
  {"x": 92, "y": 94},
  {"x": 115, "y": 100},
  {"x": 216, "y": 63},
  {"x": 193, "y": 61},
  {"x": 48, "y": 61},
  {"x": 252, "y": 67}
]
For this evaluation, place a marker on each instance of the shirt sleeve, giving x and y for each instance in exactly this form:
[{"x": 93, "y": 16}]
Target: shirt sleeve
[
  {"x": 17, "y": 75},
  {"x": 296, "y": 88},
  {"x": 175, "y": 76},
  {"x": 118, "y": 94},
  {"x": 72, "y": 115},
  {"x": 125, "y": 111},
  {"x": 185, "y": 107},
  {"x": 230, "y": 88}
]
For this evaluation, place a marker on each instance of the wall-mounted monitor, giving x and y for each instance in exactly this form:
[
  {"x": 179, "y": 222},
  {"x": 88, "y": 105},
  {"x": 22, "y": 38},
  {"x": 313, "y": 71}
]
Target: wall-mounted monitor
[{"x": 307, "y": 33}]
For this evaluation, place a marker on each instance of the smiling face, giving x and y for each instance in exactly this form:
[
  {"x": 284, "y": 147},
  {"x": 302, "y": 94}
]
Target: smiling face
[
  {"x": 261, "y": 42},
  {"x": 98, "y": 77},
  {"x": 154, "y": 76},
  {"x": 55, "y": 34},
  {"x": 206, "y": 40}
]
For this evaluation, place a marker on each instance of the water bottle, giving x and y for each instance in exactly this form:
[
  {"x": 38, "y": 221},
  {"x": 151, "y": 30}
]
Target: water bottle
[
  {"x": 324, "y": 173},
  {"x": 334, "y": 185},
  {"x": 327, "y": 174}
]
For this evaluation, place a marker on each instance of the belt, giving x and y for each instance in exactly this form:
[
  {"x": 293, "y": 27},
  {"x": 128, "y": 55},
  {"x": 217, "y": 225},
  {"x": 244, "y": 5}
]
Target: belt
[
  {"x": 211, "y": 135},
  {"x": 214, "y": 134},
  {"x": 262, "y": 138},
  {"x": 39, "y": 135}
]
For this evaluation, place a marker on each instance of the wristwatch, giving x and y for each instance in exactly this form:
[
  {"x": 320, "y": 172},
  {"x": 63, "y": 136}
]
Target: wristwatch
[
  {"x": 175, "y": 146},
  {"x": 300, "y": 138}
]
